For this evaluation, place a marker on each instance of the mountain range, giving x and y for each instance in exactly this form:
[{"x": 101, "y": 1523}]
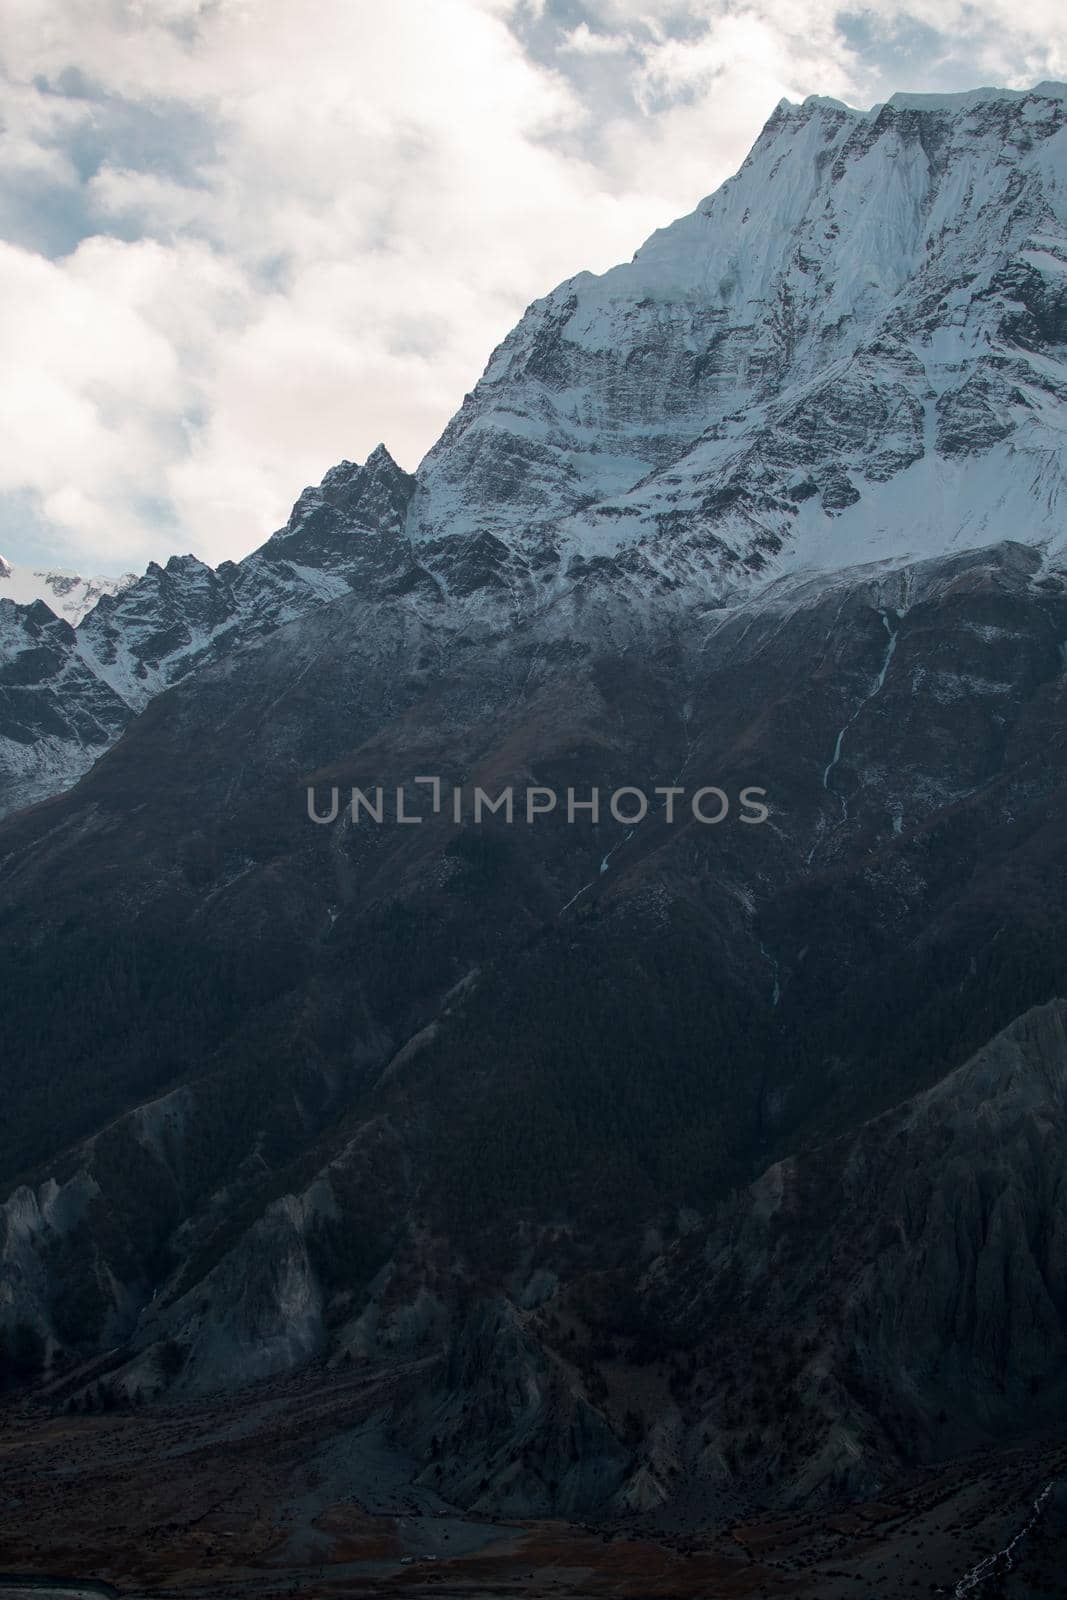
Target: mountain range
[
  {"x": 656, "y": 1176},
  {"x": 847, "y": 354}
]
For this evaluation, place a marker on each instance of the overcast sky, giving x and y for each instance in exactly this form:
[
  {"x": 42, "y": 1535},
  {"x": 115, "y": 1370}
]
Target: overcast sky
[{"x": 242, "y": 239}]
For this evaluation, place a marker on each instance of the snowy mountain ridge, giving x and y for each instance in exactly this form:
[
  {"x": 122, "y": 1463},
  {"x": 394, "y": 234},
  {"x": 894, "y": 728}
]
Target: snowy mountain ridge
[
  {"x": 852, "y": 353},
  {"x": 908, "y": 100},
  {"x": 68, "y": 594}
]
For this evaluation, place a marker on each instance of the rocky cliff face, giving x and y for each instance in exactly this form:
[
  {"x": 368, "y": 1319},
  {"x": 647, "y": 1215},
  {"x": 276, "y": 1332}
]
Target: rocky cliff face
[
  {"x": 916, "y": 1268},
  {"x": 663, "y": 1166},
  {"x": 56, "y": 714}
]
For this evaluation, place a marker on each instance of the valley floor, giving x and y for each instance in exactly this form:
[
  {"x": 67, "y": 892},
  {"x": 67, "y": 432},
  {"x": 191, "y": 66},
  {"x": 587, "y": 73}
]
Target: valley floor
[{"x": 286, "y": 1490}]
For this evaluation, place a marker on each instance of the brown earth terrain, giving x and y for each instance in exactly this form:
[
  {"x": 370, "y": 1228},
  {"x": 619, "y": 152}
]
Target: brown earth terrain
[{"x": 226, "y": 1499}]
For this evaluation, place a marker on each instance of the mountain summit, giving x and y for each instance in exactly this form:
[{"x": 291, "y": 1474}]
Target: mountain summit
[{"x": 853, "y": 350}]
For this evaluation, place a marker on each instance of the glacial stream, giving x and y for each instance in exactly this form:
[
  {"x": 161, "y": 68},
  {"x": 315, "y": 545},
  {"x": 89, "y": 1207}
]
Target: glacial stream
[{"x": 1001, "y": 1561}]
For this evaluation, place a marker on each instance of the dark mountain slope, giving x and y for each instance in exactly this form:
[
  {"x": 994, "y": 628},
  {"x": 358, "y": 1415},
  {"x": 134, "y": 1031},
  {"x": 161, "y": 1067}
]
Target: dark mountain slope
[{"x": 395, "y": 1089}]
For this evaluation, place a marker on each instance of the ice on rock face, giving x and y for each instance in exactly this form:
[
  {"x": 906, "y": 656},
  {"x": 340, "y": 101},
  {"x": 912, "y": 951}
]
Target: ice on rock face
[{"x": 852, "y": 349}]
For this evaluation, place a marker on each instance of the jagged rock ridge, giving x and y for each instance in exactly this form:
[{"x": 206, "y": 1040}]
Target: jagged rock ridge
[{"x": 153, "y": 631}]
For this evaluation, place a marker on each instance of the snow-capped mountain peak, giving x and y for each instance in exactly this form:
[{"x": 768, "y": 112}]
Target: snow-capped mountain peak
[
  {"x": 852, "y": 350},
  {"x": 68, "y": 594}
]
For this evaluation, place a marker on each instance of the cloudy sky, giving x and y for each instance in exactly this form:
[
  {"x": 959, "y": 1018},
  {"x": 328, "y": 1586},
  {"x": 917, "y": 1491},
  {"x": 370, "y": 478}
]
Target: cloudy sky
[{"x": 242, "y": 239}]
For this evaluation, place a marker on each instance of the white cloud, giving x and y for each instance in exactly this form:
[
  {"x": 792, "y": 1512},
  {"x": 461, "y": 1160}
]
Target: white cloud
[
  {"x": 379, "y": 199},
  {"x": 584, "y": 42},
  {"x": 314, "y": 218}
]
